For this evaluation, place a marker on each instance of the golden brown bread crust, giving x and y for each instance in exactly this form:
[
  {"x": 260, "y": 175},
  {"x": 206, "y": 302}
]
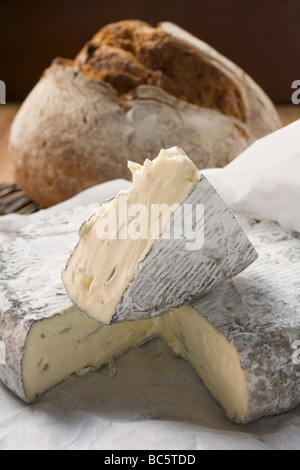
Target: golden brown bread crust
[
  {"x": 132, "y": 53},
  {"x": 132, "y": 90}
]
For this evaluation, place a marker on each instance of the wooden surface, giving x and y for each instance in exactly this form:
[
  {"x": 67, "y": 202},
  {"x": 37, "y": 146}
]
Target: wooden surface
[
  {"x": 287, "y": 114},
  {"x": 14, "y": 200}
]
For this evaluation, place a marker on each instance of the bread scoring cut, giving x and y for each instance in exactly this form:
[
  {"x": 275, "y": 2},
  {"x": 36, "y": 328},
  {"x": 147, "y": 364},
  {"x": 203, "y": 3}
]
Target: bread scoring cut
[{"x": 132, "y": 90}]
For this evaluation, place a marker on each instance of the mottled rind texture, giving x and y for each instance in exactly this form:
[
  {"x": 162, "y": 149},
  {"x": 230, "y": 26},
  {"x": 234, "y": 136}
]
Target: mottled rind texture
[
  {"x": 13, "y": 332},
  {"x": 173, "y": 274},
  {"x": 131, "y": 91},
  {"x": 259, "y": 311},
  {"x": 30, "y": 284}
]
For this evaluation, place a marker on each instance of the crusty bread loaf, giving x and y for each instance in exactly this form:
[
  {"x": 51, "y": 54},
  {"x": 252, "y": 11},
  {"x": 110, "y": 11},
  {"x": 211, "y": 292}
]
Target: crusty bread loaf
[{"x": 132, "y": 90}]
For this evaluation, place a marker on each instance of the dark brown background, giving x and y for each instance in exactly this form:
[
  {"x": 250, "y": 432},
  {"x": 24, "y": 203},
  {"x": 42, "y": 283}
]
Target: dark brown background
[{"x": 262, "y": 36}]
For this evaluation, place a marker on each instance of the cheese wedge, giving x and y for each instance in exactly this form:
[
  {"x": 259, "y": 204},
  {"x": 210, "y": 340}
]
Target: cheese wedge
[
  {"x": 239, "y": 338},
  {"x": 134, "y": 261}
]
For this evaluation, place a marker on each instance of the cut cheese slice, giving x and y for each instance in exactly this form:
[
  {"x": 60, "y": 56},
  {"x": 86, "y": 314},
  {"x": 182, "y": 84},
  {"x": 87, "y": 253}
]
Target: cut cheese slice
[
  {"x": 239, "y": 338},
  {"x": 166, "y": 240},
  {"x": 69, "y": 342}
]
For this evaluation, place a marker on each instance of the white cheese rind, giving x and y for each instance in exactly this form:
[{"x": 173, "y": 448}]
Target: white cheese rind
[
  {"x": 121, "y": 234},
  {"x": 30, "y": 285},
  {"x": 33, "y": 301},
  {"x": 177, "y": 273},
  {"x": 257, "y": 314}
]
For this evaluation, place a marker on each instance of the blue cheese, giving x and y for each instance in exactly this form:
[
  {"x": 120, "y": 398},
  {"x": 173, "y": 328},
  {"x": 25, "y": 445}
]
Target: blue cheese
[
  {"x": 108, "y": 278},
  {"x": 46, "y": 338},
  {"x": 239, "y": 338}
]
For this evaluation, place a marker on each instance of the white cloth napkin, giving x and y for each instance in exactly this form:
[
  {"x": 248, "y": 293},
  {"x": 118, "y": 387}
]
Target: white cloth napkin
[{"x": 265, "y": 178}]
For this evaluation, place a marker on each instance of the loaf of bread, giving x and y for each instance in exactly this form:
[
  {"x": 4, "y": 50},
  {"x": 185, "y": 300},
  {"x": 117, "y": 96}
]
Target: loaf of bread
[{"x": 132, "y": 90}]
